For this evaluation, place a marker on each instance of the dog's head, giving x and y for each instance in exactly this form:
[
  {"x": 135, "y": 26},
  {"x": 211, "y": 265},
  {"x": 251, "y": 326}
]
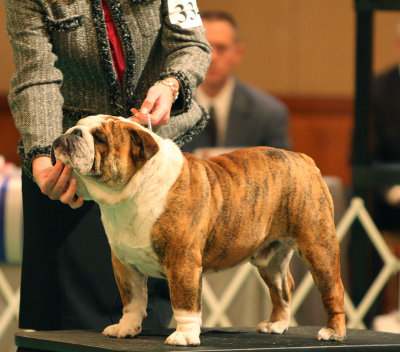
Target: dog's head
[{"x": 105, "y": 150}]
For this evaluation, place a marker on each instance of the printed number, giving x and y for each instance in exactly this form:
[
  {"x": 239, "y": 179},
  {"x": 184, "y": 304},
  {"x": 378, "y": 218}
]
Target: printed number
[{"x": 188, "y": 14}]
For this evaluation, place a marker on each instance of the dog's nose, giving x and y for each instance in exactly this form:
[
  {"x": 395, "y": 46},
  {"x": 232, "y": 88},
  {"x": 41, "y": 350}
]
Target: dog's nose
[{"x": 77, "y": 132}]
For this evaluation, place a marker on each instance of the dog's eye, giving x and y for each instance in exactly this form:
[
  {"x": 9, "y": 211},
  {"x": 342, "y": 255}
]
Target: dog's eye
[{"x": 99, "y": 139}]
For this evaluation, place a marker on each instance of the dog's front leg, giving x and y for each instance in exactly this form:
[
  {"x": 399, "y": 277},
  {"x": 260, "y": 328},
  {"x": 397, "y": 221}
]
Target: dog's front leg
[
  {"x": 133, "y": 289},
  {"x": 184, "y": 280}
]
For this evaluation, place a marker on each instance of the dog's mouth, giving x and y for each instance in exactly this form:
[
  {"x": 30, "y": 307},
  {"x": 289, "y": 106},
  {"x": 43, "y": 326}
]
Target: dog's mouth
[
  {"x": 63, "y": 146},
  {"x": 72, "y": 149}
]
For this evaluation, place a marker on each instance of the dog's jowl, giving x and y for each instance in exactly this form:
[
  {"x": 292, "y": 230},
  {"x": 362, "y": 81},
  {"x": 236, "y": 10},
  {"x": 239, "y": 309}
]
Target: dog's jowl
[{"x": 168, "y": 214}]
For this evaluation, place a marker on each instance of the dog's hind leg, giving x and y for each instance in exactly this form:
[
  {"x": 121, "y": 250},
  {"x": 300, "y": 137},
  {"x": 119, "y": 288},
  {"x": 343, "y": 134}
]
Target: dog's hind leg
[
  {"x": 273, "y": 265},
  {"x": 133, "y": 289},
  {"x": 321, "y": 254}
]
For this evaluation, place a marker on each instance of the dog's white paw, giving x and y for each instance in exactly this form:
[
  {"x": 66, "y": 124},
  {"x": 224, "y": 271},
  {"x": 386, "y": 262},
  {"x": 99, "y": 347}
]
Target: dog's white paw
[
  {"x": 187, "y": 330},
  {"x": 183, "y": 338},
  {"x": 122, "y": 330},
  {"x": 273, "y": 327},
  {"x": 330, "y": 334}
]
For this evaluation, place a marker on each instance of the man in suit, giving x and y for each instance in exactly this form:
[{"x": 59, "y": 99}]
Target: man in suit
[{"x": 241, "y": 115}]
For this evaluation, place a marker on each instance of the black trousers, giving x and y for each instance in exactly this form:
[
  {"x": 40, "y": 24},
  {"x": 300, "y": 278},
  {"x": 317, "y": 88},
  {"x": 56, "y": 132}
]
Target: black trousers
[{"x": 67, "y": 278}]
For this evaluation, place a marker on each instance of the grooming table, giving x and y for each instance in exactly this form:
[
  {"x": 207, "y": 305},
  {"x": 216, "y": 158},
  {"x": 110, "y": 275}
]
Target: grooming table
[{"x": 238, "y": 339}]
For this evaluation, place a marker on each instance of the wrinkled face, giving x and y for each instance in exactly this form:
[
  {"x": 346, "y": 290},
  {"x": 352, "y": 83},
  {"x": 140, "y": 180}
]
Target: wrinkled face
[{"x": 106, "y": 149}]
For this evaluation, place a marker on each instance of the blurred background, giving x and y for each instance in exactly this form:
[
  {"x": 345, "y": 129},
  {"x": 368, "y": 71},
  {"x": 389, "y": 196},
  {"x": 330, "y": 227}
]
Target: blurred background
[{"x": 302, "y": 52}]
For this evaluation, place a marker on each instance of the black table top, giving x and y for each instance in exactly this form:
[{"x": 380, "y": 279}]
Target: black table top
[{"x": 232, "y": 339}]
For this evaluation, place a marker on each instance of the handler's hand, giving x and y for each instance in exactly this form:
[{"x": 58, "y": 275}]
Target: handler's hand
[
  {"x": 158, "y": 103},
  {"x": 55, "y": 182}
]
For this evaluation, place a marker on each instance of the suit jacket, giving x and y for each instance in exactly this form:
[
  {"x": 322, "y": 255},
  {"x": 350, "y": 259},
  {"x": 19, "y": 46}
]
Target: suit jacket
[
  {"x": 255, "y": 118},
  {"x": 386, "y": 132}
]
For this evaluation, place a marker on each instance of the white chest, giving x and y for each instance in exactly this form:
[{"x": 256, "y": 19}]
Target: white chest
[
  {"x": 143, "y": 259},
  {"x": 129, "y": 236}
]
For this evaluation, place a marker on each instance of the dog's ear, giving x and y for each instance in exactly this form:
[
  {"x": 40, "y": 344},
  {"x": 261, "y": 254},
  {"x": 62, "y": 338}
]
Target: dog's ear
[{"x": 143, "y": 145}]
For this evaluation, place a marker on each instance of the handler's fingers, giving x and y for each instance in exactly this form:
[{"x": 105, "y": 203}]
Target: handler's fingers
[
  {"x": 76, "y": 202},
  {"x": 62, "y": 183},
  {"x": 148, "y": 103},
  {"x": 68, "y": 197},
  {"x": 141, "y": 118},
  {"x": 134, "y": 111},
  {"x": 160, "y": 115},
  {"x": 47, "y": 182}
]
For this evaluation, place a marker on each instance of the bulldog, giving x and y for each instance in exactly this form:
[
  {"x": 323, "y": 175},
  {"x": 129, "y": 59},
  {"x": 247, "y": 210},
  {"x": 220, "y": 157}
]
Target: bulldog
[{"x": 170, "y": 215}]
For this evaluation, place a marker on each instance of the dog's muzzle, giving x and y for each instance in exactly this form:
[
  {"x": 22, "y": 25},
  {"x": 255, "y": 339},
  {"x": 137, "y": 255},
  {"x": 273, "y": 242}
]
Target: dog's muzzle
[
  {"x": 65, "y": 144},
  {"x": 72, "y": 148}
]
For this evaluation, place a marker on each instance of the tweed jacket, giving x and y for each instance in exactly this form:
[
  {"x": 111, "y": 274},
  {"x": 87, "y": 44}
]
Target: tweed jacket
[{"x": 64, "y": 69}]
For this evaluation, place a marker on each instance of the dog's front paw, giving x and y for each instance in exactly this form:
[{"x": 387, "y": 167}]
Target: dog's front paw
[
  {"x": 183, "y": 338},
  {"x": 330, "y": 334},
  {"x": 273, "y": 327},
  {"x": 122, "y": 330}
]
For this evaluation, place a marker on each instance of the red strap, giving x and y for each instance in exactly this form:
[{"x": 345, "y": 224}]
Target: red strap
[{"x": 115, "y": 42}]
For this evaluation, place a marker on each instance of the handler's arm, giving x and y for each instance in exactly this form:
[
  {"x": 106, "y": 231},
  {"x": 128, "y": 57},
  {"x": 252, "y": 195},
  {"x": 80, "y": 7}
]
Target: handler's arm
[
  {"x": 35, "y": 99},
  {"x": 188, "y": 53}
]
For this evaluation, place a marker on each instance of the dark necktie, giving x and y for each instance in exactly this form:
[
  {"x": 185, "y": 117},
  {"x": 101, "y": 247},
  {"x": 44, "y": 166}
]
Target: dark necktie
[{"x": 211, "y": 128}]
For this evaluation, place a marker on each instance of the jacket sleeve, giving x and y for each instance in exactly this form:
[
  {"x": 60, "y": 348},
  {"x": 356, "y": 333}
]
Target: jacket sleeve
[
  {"x": 34, "y": 98},
  {"x": 188, "y": 54}
]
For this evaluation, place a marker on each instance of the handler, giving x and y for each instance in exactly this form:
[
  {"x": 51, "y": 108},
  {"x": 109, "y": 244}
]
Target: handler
[{"x": 74, "y": 59}]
